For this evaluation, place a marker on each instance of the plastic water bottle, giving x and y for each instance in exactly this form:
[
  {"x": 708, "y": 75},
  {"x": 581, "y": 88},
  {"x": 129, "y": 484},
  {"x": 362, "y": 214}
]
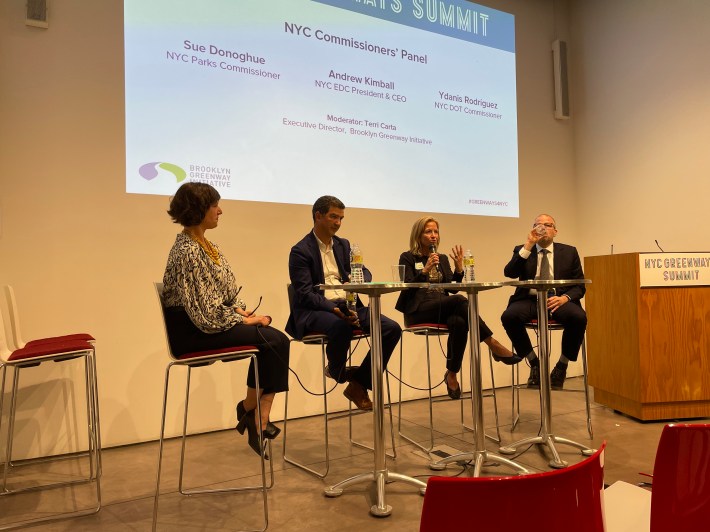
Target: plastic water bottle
[
  {"x": 351, "y": 300},
  {"x": 356, "y": 275},
  {"x": 469, "y": 272}
]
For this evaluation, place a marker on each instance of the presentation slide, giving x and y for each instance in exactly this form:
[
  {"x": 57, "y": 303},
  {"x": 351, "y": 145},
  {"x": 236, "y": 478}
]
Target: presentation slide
[{"x": 403, "y": 105}]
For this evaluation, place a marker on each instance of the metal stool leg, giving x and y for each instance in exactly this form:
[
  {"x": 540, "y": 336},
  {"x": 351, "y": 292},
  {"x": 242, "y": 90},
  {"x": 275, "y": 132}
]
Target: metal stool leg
[
  {"x": 516, "y": 385},
  {"x": 430, "y": 402},
  {"x": 93, "y": 451},
  {"x": 492, "y": 394},
  {"x": 262, "y": 487},
  {"x": 401, "y": 380},
  {"x": 293, "y": 461},
  {"x": 586, "y": 389},
  {"x": 515, "y": 375},
  {"x": 161, "y": 440},
  {"x": 11, "y": 425},
  {"x": 352, "y": 412},
  {"x": 586, "y": 383},
  {"x": 515, "y": 389},
  {"x": 2, "y": 404},
  {"x": 97, "y": 418}
]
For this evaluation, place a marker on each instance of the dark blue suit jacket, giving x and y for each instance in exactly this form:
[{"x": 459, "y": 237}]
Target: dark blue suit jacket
[
  {"x": 305, "y": 268},
  {"x": 566, "y": 266}
]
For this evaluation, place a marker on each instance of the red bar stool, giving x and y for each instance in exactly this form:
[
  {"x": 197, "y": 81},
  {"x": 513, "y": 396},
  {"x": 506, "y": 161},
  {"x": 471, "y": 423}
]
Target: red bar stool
[
  {"x": 196, "y": 360},
  {"x": 515, "y": 374},
  {"x": 321, "y": 340},
  {"x": 33, "y": 354},
  {"x": 18, "y": 342},
  {"x": 428, "y": 330}
]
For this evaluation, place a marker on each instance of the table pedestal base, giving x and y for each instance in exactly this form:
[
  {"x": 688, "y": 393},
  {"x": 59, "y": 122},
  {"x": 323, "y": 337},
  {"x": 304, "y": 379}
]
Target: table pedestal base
[
  {"x": 380, "y": 478},
  {"x": 550, "y": 440},
  {"x": 478, "y": 458}
]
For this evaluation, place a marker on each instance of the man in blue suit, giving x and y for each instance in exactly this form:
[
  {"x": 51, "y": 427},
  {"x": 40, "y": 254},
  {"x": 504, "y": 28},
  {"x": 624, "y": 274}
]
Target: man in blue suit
[
  {"x": 321, "y": 257},
  {"x": 540, "y": 258}
]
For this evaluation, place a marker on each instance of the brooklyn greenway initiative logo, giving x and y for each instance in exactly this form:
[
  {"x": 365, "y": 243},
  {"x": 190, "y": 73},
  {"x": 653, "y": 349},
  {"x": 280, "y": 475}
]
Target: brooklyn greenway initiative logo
[{"x": 150, "y": 171}]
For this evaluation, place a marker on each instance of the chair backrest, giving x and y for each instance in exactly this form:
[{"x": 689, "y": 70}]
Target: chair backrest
[
  {"x": 159, "y": 294},
  {"x": 556, "y": 501},
  {"x": 5, "y": 349},
  {"x": 291, "y": 296},
  {"x": 681, "y": 479},
  {"x": 14, "y": 317}
]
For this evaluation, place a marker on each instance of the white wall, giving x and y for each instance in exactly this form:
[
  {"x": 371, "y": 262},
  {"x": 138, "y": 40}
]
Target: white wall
[
  {"x": 640, "y": 88},
  {"x": 82, "y": 254}
]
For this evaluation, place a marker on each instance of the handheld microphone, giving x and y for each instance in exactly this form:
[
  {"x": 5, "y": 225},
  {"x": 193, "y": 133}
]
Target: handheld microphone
[
  {"x": 432, "y": 249},
  {"x": 659, "y": 246}
]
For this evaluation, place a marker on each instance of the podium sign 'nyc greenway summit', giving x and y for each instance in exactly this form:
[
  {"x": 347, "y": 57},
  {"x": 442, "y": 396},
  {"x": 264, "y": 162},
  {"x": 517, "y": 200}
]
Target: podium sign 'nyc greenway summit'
[{"x": 674, "y": 269}]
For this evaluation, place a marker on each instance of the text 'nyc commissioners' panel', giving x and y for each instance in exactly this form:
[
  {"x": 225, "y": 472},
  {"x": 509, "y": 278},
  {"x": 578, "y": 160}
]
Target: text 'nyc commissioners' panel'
[{"x": 388, "y": 104}]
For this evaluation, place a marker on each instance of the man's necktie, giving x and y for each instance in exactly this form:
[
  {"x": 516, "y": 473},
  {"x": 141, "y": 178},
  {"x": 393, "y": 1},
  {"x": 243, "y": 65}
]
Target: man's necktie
[{"x": 545, "y": 273}]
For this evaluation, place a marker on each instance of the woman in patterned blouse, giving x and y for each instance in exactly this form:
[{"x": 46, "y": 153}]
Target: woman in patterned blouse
[{"x": 204, "y": 312}]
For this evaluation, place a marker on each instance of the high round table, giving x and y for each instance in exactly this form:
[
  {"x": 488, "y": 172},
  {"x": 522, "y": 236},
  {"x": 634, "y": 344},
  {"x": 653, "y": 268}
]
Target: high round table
[
  {"x": 546, "y": 436},
  {"x": 479, "y": 455},
  {"x": 380, "y": 475}
]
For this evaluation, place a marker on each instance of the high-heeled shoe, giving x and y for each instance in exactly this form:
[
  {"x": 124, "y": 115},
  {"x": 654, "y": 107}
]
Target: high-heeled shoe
[
  {"x": 247, "y": 420},
  {"x": 271, "y": 431},
  {"x": 454, "y": 393}
]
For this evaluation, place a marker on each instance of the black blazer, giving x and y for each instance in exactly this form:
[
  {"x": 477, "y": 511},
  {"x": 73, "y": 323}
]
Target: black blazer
[
  {"x": 305, "y": 268},
  {"x": 566, "y": 266},
  {"x": 410, "y": 299}
]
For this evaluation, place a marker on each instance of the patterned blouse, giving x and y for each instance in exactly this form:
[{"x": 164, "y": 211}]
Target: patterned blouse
[{"x": 207, "y": 290}]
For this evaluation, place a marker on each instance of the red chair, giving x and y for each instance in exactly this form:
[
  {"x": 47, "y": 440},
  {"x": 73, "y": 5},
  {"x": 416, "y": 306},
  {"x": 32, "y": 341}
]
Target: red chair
[
  {"x": 315, "y": 338},
  {"x": 680, "y": 499},
  {"x": 562, "y": 500},
  {"x": 196, "y": 360},
  {"x": 33, "y": 354}
]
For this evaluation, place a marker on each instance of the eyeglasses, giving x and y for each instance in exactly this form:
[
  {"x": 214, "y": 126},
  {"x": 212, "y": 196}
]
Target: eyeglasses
[{"x": 546, "y": 225}]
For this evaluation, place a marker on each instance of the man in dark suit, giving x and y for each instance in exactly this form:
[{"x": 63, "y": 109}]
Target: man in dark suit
[
  {"x": 540, "y": 258},
  {"x": 321, "y": 257}
]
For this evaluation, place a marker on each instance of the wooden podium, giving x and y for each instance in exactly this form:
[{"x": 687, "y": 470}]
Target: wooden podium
[{"x": 648, "y": 347}]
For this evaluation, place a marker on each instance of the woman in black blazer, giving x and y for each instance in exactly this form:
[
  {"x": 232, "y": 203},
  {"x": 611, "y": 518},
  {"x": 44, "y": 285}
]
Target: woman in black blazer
[{"x": 433, "y": 305}]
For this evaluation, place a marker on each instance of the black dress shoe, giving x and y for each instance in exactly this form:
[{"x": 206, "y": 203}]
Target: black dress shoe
[
  {"x": 557, "y": 377},
  {"x": 346, "y": 375},
  {"x": 534, "y": 378},
  {"x": 454, "y": 393},
  {"x": 510, "y": 361}
]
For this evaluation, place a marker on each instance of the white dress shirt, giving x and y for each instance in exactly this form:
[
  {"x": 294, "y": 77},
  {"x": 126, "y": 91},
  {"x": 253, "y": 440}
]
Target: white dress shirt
[
  {"x": 330, "y": 270},
  {"x": 524, "y": 254}
]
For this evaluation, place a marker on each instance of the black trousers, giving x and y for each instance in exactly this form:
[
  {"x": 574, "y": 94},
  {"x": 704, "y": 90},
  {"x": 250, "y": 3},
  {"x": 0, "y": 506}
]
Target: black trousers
[
  {"x": 273, "y": 347},
  {"x": 453, "y": 311},
  {"x": 570, "y": 315},
  {"x": 339, "y": 333}
]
